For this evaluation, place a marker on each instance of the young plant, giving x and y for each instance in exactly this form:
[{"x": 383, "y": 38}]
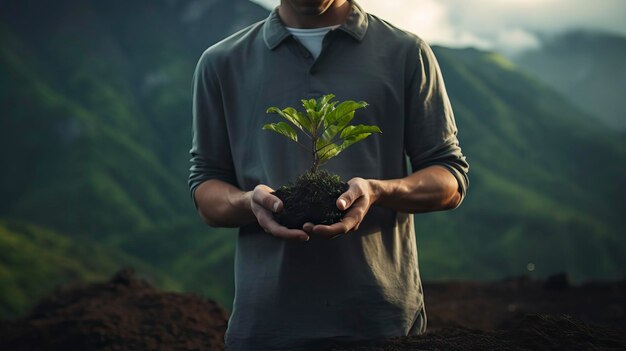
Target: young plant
[
  {"x": 312, "y": 197},
  {"x": 325, "y": 124}
]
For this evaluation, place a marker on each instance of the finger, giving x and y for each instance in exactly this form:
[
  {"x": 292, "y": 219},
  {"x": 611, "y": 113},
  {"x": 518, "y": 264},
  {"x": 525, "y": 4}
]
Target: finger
[
  {"x": 330, "y": 231},
  {"x": 350, "y": 221},
  {"x": 267, "y": 222},
  {"x": 346, "y": 199},
  {"x": 286, "y": 233},
  {"x": 355, "y": 214},
  {"x": 262, "y": 196},
  {"x": 308, "y": 227}
]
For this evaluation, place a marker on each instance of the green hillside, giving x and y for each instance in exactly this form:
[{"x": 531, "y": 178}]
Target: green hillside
[
  {"x": 35, "y": 260},
  {"x": 95, "y": 128},
  {"x": 585, "y": 66},
  {"x": 95, "y": 133},
  {"x": 546, "y": 180}
]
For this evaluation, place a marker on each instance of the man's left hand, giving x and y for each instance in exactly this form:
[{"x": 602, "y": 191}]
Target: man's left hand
[{"x": 357, "y": 201}]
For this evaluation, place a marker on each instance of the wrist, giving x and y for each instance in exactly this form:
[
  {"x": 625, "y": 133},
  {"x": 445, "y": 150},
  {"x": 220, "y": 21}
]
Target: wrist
[
  {"x": 241, "y": 200},
  {"x": 377, "y": 190}
]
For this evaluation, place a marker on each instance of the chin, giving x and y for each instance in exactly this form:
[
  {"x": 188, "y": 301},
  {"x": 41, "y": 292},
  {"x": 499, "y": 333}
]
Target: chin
[{"x": 310, "y": 7}]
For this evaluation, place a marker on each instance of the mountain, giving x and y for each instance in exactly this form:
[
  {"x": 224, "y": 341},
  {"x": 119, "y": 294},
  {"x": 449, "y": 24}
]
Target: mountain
[
  {"x": 95, "y": 133},
  {"x": 585, "y": 66},
  {"x": 35, "y": 260},
  {"x": 95, "y": 126},
  {"x": 546, "y": 180}
]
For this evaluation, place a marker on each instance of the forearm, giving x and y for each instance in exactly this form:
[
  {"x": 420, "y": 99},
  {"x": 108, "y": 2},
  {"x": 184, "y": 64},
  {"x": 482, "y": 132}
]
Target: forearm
[
  {"x": 433, "y": 188},
  {"x": 223, "y": 205}
]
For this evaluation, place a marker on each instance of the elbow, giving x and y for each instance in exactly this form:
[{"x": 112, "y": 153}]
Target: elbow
[
  {"x": 453, "y": 202},
  {"x": 211, "y": 222},
  {"x": 455, "y": 192},
  {"x": 455, "y": 189},
  {"x": 206, "y": 213},
  {"x": 217, "y": 219}
]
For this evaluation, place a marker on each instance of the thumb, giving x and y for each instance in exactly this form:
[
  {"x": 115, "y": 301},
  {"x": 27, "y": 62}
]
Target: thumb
[{"x": 346, "y": 199}]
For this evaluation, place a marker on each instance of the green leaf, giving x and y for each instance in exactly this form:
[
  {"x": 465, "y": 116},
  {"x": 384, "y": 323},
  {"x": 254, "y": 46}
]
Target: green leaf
[
  {"x": 309, "y": 104},
  {"x": 341, "y": 111},
  {"x": 283, "y": 129},
  {"x": 329, "y": 152},
  {"x": 323, "y": 100},
  {"x": 337, "y": 127},
  {"x": 301, "y": 120},
  {"x": 296, "y": 118},
  {"x": 327, "y": 109},
  {"x": 321, "y": 146},
  {"x": 350, "y": 135},
  {"x": 358, "y": 129},
  {"x": 351, "y": 140},
  {"x": 322, "y": 104}
]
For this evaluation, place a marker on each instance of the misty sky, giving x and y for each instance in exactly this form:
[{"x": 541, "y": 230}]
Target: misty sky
[{"x": 506, "y": 25}]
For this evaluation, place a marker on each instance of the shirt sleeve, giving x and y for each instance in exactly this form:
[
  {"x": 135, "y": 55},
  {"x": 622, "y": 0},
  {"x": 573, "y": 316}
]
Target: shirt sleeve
[
  {"x": 430, "y": 129},
  {"x": 211, "y": 156}
]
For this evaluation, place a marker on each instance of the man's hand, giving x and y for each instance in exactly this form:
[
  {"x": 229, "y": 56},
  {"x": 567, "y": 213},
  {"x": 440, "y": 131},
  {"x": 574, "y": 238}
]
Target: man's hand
[
  {"x": 221, "y": 204},
  {"x": 357, "y": 199},
  {"x": 263, "y": 204},
  {"x": 432, "y": 188}
]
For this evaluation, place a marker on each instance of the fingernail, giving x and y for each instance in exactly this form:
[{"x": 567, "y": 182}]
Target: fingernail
[
  {"x": 307, "y": 238},
  {"x": 342, "y": 203},
  {"x": 275, "y": 207}
]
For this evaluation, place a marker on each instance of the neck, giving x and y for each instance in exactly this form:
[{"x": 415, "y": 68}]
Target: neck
[{"x": 335, "y": 14}]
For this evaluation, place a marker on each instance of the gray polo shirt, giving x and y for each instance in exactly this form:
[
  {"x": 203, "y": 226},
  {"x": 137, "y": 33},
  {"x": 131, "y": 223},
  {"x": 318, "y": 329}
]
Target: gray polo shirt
[{"x": 359, "y": 286}]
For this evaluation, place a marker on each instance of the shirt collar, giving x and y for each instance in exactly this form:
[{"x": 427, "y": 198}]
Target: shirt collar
[{"x": 274, "y": 31}]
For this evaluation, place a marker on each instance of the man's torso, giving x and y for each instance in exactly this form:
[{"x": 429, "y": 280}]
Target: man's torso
[{"x": 362, "y": 285}]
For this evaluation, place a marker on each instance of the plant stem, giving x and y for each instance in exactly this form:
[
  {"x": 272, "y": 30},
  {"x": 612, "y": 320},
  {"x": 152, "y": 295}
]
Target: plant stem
[{"x": 316, "y": 159}]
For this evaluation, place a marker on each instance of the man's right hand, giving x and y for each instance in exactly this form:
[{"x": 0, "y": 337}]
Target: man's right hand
[{"x": 263, "y": 205}]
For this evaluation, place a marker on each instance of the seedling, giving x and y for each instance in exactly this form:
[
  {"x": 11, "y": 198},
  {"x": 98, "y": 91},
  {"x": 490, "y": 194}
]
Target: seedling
[{"x": 325, "y": 125}]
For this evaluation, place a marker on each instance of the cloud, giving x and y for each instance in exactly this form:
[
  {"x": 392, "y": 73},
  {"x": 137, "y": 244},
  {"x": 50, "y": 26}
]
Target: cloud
[{"x": 506, "y": 25}]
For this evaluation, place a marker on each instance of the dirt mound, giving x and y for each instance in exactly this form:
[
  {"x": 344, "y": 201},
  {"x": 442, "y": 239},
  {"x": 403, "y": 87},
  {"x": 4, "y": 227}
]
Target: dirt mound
[
  {"x": 127, "y": 314},
  {"x": 124, "y": 313},
  {"x": 489, "y": 305},
  {"x": 533, "y": 332}
]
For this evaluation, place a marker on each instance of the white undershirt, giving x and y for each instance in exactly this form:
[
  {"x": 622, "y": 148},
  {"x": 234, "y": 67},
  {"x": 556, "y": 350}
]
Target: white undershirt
[{"x": 311, "y": 38}]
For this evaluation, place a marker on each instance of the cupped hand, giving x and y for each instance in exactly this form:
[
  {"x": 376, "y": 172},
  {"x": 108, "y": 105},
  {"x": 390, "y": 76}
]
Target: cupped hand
[
  {"x": 357, "y": 200},
  {"x": 263, "y": 204}
]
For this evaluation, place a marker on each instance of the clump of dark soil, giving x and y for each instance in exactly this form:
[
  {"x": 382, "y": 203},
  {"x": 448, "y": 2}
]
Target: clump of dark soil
[
  {"x": 532, "y": 332},
  {"x": 312, "y": 198},
  {"x": 124, "y": 313}
]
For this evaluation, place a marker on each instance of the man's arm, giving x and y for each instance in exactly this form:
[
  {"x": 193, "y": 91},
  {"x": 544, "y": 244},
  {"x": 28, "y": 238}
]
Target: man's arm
[
  {"x": 430, "y": 189},
  {"x": 212, "y": 177},
  {"x": 221, "y": 204}
]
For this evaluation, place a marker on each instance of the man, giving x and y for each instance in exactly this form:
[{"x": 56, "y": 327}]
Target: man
[{"x": 294, "y": 288}]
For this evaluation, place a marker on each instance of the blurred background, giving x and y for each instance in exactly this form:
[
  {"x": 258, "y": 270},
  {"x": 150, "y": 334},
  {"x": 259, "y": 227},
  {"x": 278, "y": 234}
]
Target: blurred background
[{"x": 95, "y": 129}]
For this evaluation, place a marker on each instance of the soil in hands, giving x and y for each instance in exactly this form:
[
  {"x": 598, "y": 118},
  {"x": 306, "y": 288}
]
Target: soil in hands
[{"x": 312, "y": 198}]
